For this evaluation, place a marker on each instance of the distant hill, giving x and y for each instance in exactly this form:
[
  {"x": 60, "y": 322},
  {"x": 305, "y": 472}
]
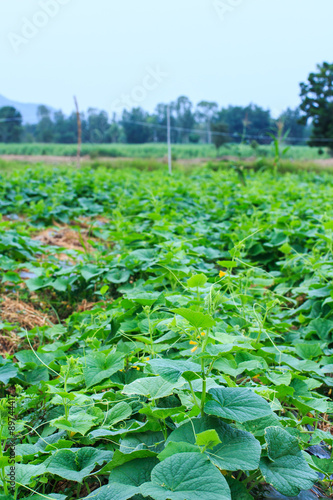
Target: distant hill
[{"x": 27, "y": 110}]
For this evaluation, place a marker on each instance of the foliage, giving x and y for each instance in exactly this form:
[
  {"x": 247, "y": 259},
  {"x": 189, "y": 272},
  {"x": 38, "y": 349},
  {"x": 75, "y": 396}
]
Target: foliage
[
  {"x": 277, "y": 140},
  {"x": 155, "y": 150},
  {"x": 202, "y": 370},
  {"x": 137, "y": 126},
  {"x": 10, "y": 125},
  {"x": 317, "y": 104},
  {"x": 291, "y": 121},
  {"x": 249, "y": 120},
  {"x": 220, "y": 134}
]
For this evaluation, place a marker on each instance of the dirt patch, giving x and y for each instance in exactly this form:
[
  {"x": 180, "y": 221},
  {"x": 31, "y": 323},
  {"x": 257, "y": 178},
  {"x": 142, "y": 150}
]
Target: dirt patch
[
  {"x": 65, "y": 237},
  {"x": 56, "y": 160},
  {"x": 326, "y": 425},
  {"x": 23, "y": 314},
  {"x": 85, "y": 306},
  {"x": 8, "y": 343}
]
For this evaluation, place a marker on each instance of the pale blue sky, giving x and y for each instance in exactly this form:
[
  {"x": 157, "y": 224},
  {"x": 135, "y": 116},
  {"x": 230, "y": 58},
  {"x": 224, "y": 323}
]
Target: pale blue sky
[{"x": 230, "y": 51}]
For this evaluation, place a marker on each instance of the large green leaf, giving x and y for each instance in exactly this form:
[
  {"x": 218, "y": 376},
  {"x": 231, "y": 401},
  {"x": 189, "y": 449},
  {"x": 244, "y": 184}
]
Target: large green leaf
[
  {"x": 171, "y": 370},
  {"x": 152, "y": 441},
  {"x": 121, "y": 411},
  {"x": 177, "y": 447},
  {"x": 135, "y": 472},
  {"x": 195, "y": 318},
  {"x": 99, "y": 367},
  {"x": 7, "y": 371},
  {"x": 114, "y": 491},
  {"x": 124, "y": 481},
  {"x": 227, "y": 455},
  {"x": 189, "y": 476},
  {"x": 197, "y": 280},
  {"x": 120, "y": 458},
  {"x": 75, "y": 466},
  {"x": 79, "y": 422},
  {"x": 237, "y": 404},
  {"x": 24, "y": 473},
  {"x": 325, "y": 465},
  {"x": 285, "y": 467},
  {"x": 118, "y": 275},
  {"x": 152, "y": 387}
]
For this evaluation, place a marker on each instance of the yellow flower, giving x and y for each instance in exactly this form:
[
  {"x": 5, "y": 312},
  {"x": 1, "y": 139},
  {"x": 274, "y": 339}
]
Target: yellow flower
[
  {"x": 136, "y": 368},
  {"x": 147, "y": 359},
  {"x": 222, "y": 274},
  {"x": 193, "y": 343},
  {"x": 194, "y": 348},
  {"x": 203, "y": 334}
]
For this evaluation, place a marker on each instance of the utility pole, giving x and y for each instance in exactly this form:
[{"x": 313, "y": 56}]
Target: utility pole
[
  {"x": 79, "y": 133},
  {"x": 169, "y": 141}
]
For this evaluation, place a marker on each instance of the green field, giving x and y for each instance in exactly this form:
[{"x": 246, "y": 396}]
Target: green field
[
  {"x": 180, "y": 151},
  {"x": 165, "y": 337}
]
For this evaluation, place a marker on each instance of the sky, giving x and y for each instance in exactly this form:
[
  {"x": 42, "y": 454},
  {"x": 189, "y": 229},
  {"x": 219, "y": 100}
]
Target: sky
[{"x": 123, "y": 53}]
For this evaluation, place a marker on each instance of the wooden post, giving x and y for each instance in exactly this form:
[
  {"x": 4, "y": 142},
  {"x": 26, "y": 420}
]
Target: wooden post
[
  {"x": 79, "y": 133},
  {"x": 169, "y": 141}
]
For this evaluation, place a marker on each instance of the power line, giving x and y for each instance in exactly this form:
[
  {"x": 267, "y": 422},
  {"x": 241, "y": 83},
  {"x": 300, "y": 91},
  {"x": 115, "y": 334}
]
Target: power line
[
  {"x": 10, "y": 119},
  {"x": 235, "y": 135}
]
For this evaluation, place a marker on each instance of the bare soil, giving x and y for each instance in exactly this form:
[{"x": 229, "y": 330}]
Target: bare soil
[
  {"x": 65, "y": 237},
  {"x": 23, "y": 314},
  {"x": 71, "y": 160}
]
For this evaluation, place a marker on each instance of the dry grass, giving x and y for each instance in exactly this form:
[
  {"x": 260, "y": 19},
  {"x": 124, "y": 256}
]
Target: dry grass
[
  {"x": 9, "y": 343},
  {"x": 85, "y": 306},
  {"x": 23, "y": 314},
  {"x": 65, "y": 237},
  {"x": 326, "y": 425}
]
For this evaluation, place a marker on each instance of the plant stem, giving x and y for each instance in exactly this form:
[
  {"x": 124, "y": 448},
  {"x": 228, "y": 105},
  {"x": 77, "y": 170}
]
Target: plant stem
[
  {"x": 193, "y": 395},
  {"x": 204, "y": 386}
]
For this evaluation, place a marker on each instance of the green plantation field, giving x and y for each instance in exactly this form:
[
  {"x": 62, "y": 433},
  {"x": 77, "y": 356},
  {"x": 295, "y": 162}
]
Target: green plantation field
[
  {"x": 156, "y": 150},
  {"x": 165, "y": 337}
]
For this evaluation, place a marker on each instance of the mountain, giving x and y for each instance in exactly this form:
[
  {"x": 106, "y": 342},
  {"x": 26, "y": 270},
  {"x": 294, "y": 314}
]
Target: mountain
[{"x": 27, "y": 110}]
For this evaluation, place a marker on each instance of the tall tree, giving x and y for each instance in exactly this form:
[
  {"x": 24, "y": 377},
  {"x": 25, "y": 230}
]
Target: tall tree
[
  {"x": 98, "y": 124},
  {"x": 251, "y": 120},
  {"x": 317, "y": 105},
  {"x": 220, "y": 134},
  {"x": 65, "y": 129},
  {"x": 182, "y": 108},
  {"x": 10, "y": 124},
  {"x": 45, "y": 126},
  {"x": 205, "y": 113},
  {"x": 133, "y": 122},
  {"x": 291, "y": 121}
]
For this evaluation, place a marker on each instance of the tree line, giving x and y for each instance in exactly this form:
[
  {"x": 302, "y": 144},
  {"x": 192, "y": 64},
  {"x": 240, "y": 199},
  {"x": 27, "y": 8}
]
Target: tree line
[
  {"x": 135, "y": 126},
  {"x": 203, "y": 123}
]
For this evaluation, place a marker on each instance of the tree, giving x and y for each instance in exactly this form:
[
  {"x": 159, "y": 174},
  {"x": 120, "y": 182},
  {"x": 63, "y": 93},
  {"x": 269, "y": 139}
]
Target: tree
[
  {"x": 220, "y": 134},
  {"x": 45, "y": 126},
  {"x": 65, "y": 129},
  {"x": 98, "y": 124},
  {"x": 10, "y": 124},
  {"x": 291, "y": 121},
  {"x": 205, "y": 113},
  {"x": 133, "y": 123},
  {"x": 317, "y": 105},
  {"x": 242, "y": 122},
  {"x": 184, "y": 117}
]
